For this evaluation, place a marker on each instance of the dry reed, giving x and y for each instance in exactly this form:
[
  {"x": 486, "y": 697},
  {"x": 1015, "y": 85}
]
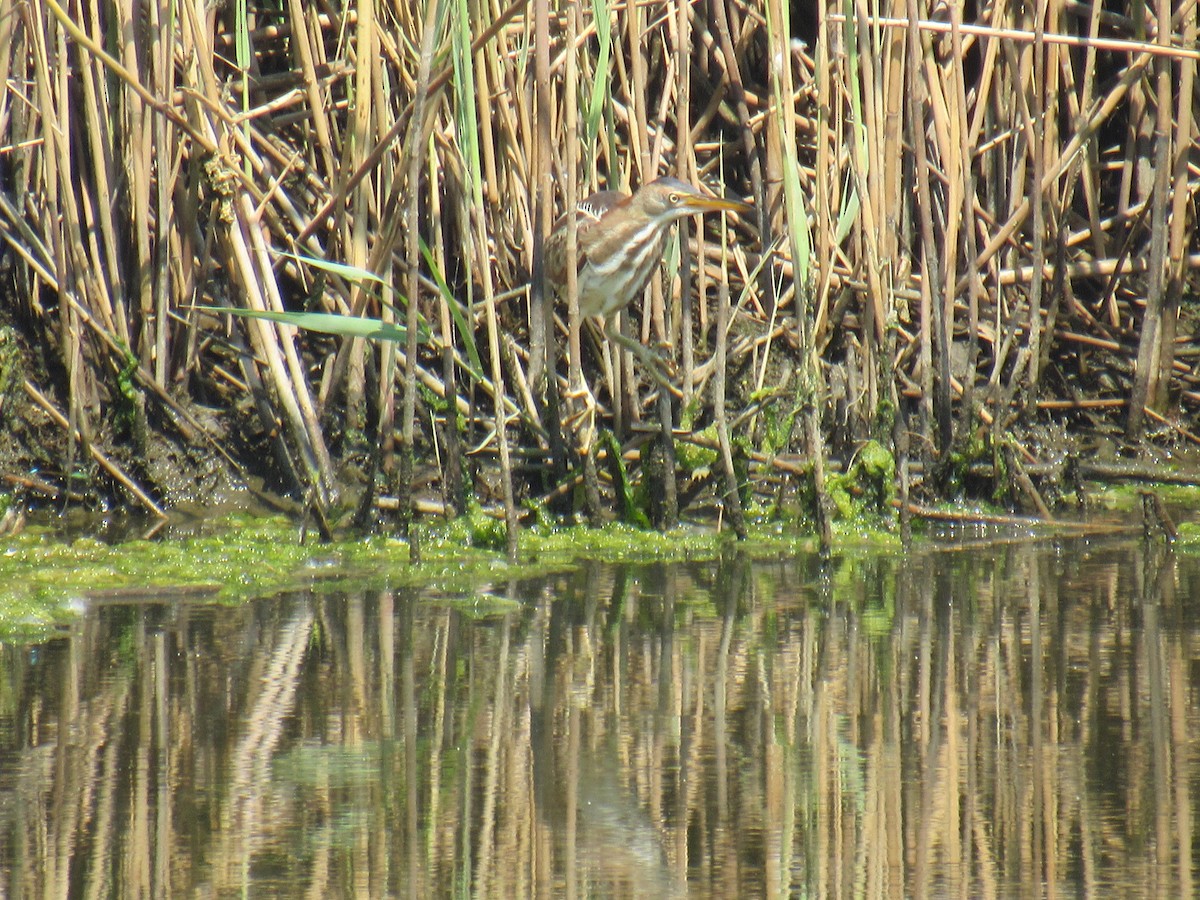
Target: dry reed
[{"x": 976, "y": 219}]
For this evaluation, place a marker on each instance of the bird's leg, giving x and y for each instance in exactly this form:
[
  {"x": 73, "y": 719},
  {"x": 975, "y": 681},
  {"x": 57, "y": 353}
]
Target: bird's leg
[
  {"x": 653, "y": 362},
  {"x": 583, "y": 420}
]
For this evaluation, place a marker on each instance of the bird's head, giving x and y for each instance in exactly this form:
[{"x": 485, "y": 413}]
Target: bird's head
[{"x": 668, "y": 199}]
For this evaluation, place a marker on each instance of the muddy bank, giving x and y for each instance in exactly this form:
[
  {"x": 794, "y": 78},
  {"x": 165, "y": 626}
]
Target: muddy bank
[{"x": 222, "y": 460}]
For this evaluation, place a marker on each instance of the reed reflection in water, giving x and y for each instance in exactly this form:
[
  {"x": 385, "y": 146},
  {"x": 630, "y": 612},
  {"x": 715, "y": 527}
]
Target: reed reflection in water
[{"x": 1015, "y": 719}]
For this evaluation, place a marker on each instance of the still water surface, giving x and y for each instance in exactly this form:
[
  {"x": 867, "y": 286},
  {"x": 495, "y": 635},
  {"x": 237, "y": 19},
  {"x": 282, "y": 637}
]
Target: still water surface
[{"x": 1013, "y": 719}]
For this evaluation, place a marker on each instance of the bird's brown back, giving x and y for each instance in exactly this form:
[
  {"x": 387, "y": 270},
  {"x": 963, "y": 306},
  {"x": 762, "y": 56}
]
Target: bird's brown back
[{"x": 589, "y": 211}]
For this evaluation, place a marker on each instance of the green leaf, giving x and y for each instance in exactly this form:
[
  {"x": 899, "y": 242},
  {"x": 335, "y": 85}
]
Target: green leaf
[
  {"x": 358, "y": 275},
  {"x": 351, "y": 273},
  {"x": 326, "y": 323},
  {"x": 456, "y": 313},
  {"x": 599, "y": 97},
  {"x": 847, "y": 216}
]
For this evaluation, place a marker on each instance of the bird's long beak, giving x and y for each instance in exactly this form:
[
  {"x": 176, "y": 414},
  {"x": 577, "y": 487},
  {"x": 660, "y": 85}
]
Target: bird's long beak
[{"x": 699, "y": 204}]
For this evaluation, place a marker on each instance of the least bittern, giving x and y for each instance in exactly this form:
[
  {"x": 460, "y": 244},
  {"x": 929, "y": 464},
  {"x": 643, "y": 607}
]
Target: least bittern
[{"x": 619, "y": 241}]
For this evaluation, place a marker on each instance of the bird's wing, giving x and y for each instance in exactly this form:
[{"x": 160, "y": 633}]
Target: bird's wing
[
  {"x": 594, "y": 206},
  {"x": 589, "y": 211}
]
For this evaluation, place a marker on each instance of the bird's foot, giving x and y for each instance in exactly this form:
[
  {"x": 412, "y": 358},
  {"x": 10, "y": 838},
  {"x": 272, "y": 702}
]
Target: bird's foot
[
  {"x": 582, "y": 418},
  {"x": 657, "y": 364},
  {"x": 662, "y": 369}
]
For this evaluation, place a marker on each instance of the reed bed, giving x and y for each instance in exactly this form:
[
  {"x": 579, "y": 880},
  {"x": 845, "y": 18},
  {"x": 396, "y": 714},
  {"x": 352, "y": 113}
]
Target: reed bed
[{"x": 967, "y": 233}]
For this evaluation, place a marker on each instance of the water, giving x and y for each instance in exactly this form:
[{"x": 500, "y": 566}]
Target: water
[{"x": 1011, "y": 719}]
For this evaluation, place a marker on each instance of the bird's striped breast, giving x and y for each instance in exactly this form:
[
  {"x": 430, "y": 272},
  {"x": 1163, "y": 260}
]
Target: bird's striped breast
[{"x": 612, "y": 280}]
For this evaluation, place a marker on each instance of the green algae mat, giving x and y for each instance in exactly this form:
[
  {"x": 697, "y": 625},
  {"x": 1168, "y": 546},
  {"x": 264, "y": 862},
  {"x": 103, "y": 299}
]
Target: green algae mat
[{"x": 45, "y": 579}]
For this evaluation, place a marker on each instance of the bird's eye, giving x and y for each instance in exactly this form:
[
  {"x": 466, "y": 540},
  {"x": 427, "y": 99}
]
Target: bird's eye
[{"x": 674, "y": 199}]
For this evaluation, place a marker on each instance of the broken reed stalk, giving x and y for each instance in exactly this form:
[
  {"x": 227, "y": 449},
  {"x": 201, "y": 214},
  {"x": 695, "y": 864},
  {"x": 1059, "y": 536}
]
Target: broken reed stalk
[
  {"x": 413, "y": 155},
  {"x": 543, "y": 339},
  {"x": 810, "y": 385},
  {"x": 634, "y": 169},
  {"x": 585, "y": 428},
  {"x": 1182, "y": 142},
  {"x": 935, "y": 350},
  {"x": 481, "y": 233},
  {"x": 1183, "y": 50},
  {"x": 450, "y": 437},
  {"x": 357, "y": 235},
  {"x": 1040, "y": 132},
  {"x": 1146, "y": 388},
  {"x": 655, "y": 320},
  {"x": 685, "y": 170},
  {"x": 968, "y": 185},
  {"x": 730, "y": 495},
  {"x": 113, "y": 469}
]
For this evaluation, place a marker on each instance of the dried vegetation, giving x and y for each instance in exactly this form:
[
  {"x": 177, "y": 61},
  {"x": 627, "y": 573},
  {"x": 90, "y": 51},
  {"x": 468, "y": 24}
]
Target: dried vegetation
[{"x": 965, "y": 230}]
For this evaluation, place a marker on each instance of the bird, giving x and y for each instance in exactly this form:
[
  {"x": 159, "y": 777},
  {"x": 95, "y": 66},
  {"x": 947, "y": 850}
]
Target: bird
[{"x": 619, "y": 245}]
